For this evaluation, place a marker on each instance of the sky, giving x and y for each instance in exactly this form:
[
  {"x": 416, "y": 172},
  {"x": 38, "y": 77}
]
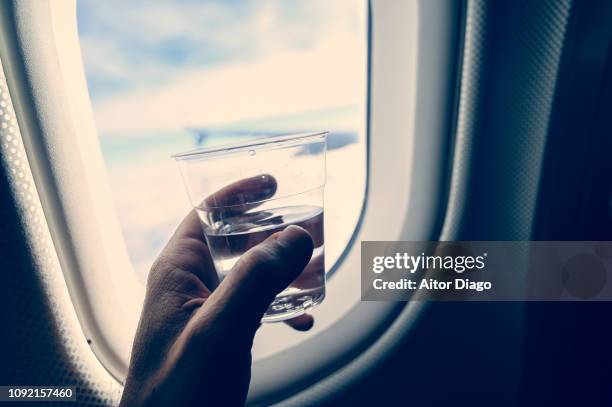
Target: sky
[
  {"x": 167, "y": 65},
  {"x": 157, "y": 69}
]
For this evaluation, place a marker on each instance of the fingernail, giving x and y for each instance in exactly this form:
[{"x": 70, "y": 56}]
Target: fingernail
[
  {"x": 266, "y": 187},
  {"x": 290, "y": 233},
  {"x": 294, "y": 235},
  {"x": 266, "y": 179}
]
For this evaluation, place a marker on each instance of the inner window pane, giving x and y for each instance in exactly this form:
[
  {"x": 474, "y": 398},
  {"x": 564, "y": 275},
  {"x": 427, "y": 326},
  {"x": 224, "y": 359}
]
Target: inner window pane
[{"x": 167, "y": 76}]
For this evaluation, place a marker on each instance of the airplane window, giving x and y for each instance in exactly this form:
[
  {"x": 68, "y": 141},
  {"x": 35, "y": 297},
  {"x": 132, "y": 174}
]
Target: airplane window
[{"x": 166, "y": 76}]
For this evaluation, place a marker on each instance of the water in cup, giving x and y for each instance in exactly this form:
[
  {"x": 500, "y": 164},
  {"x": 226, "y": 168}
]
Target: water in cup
[{"x": 229, "y": 237}]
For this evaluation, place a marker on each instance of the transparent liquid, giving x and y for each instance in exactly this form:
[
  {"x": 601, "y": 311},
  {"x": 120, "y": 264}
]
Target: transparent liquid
[{"x": 228, "y": 237}]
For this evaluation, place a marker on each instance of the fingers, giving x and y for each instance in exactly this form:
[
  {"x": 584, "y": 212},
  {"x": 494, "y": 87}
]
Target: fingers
[
  {"x": 189, "y": 227},
  {"x": 241, "y": 196},
  {"x": 261, "y": 273},
  {"x": 186, "y": 250},
  {"x": 301, "y": 323},
  {"x": 244, "y": 191}
]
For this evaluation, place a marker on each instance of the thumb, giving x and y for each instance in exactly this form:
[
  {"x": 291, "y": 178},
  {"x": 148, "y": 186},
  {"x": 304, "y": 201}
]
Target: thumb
[{"x": 242, "y": 298}]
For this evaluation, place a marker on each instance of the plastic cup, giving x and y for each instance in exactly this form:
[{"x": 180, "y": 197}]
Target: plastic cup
[{"x": 245, "y": 192}]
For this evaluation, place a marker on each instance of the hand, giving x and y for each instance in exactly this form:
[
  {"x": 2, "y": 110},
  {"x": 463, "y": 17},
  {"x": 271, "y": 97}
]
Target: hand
[{"x": 194, "y": 339}]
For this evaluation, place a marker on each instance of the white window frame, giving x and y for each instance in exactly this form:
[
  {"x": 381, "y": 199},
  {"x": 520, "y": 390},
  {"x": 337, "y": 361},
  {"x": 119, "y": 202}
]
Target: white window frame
[{"x": 407, "y": 139}]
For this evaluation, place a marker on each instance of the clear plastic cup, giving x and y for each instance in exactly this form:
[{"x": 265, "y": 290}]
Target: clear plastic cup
[{"x": 245, "y": 192}]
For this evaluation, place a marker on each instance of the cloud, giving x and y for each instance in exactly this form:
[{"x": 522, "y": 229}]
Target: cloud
[
  {"x": 329, "y": 75},
  {"x": 150, "y": 42}
]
